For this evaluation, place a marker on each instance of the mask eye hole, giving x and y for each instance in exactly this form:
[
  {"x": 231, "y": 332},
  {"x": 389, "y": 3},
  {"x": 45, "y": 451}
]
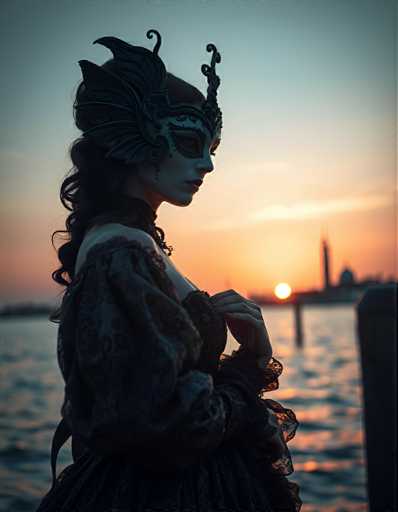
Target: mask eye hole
[
  {"x": 187, "y": 145},
  {"x": 190, "y": 143}
]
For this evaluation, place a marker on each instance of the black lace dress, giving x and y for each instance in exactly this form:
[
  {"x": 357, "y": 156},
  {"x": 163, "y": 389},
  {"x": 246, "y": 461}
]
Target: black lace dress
[{"x": 160, "y": 419}]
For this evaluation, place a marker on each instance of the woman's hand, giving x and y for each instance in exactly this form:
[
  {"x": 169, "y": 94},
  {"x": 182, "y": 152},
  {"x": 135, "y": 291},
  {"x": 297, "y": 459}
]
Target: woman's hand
[{"x": 244, "y": 320}]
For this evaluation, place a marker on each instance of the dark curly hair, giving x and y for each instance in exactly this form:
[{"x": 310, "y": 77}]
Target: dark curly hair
[{"x": 92, "y": 189}]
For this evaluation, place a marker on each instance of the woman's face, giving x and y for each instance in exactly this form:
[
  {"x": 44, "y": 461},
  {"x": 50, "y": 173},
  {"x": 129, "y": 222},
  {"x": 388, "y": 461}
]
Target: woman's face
[{"x": 191, "y": 147}]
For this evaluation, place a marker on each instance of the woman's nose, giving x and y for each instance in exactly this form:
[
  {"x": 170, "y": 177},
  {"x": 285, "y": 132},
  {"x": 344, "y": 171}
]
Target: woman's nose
[{"x": 206, "y": 165}]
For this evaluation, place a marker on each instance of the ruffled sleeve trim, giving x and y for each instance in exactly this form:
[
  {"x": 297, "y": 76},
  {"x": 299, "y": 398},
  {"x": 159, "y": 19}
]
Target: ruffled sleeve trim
[
  {"x": 262, "y": 379},
  {"x": 273, "y": 426}
]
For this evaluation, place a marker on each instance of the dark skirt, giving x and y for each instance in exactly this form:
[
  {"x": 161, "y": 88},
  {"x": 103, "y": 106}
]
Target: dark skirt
[{"x": 232, "y": 479}]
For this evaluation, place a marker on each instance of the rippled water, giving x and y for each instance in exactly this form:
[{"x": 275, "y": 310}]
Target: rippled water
[{"x": 320, "y": 382}]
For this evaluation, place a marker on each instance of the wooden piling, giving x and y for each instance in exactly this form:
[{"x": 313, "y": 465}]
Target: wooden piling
[
  {"x": 298, "y": 324},
  {"x": 377, "y": 337}
]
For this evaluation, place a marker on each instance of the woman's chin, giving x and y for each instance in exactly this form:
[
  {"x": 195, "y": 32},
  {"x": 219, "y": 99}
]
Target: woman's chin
[{"x": 181, "y": 200}]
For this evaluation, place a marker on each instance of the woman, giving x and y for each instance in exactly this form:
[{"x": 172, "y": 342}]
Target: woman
[{"x": 160, "y": 418}]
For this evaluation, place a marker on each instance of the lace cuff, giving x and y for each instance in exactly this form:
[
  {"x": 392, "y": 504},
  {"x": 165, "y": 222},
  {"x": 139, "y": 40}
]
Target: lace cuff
[
  {"x": 261, "y": 379},
  {"x": 270, "y": 427}
]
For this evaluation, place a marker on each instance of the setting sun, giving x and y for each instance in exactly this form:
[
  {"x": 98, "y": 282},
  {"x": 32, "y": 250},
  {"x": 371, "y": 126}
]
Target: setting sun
[{"x": 282, "y": 290}]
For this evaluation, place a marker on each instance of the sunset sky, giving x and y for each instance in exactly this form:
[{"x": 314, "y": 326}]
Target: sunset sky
[{"x": 308, "y": 94}]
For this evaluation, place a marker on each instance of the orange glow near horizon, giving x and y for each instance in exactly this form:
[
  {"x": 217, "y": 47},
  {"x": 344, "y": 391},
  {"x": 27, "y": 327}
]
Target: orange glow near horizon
[{"x": 246, "y": 260}]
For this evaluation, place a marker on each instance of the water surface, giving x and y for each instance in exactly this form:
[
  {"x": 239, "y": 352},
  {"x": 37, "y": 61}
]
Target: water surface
[{"x": 320, "y": 382}]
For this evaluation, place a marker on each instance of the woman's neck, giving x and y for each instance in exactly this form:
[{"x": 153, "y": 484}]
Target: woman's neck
[{"x": 136, "y": 189}]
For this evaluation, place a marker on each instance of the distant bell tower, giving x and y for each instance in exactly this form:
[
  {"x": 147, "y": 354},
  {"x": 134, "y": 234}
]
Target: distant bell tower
[{"x": 325, "y": 261}]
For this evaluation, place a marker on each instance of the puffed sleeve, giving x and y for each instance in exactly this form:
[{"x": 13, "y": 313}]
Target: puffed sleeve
[{"x": 136, "y": 350}]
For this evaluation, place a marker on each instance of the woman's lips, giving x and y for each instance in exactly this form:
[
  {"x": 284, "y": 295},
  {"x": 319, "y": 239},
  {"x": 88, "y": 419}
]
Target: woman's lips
[{"x": 192, "y": 186}]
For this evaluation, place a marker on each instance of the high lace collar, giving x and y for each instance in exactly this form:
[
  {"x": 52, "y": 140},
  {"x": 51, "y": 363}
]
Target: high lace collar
[
  {"x": 139, "y": 208},
  {"x": 138, "y": 213}
]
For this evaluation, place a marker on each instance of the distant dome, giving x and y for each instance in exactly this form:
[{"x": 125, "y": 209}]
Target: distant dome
[{"x": 347, "y": 277}]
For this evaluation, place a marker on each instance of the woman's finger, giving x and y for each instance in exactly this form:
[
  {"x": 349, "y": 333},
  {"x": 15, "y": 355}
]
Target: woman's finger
[
  {"x": 240, "y": 308},
  {"x": 254, "y": 304},
  {"x": 233, "y": 297},
  {"x": 222, "y": 294},
  {"x": 228, "y": 298},
  {"x": 243, "y": 316},
  {"x": 227, "y": 294}
]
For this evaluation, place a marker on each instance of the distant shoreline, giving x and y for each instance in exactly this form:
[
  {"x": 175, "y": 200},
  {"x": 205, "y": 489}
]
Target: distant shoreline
[{"x": 26, "y": 310}]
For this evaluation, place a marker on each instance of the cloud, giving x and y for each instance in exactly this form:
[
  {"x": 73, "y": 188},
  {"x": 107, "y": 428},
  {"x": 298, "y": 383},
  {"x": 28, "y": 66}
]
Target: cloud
[{"x": 303, "y": 210}]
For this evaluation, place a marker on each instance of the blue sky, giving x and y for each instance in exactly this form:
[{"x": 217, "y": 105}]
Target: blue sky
[{"x": 308, "y": 93}]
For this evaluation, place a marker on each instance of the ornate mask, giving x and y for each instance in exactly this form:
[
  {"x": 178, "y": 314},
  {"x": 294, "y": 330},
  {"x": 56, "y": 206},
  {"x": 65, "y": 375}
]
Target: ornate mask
[{"x": 127, "y": 112}]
